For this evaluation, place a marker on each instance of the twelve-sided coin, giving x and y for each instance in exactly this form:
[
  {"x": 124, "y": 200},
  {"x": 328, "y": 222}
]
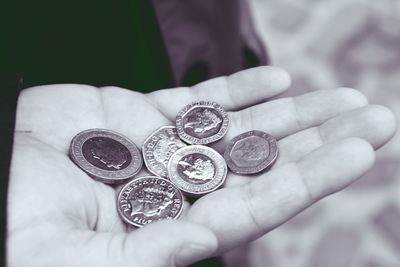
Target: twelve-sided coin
[
  {"x": 197, "y": 169},
  {"x": 159, "y": 147},
  {"x": 106, "y": 156},
  {"x": 202, "y": 122},
  {"x": 251, "y": 152},
  {"x": 147, "y": 199}
]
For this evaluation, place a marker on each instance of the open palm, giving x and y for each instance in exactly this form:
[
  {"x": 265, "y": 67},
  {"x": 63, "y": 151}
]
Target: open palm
[{"x": 59, "y": 216}]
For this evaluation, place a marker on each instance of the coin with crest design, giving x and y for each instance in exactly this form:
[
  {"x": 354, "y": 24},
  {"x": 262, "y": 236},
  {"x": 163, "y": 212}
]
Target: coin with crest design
[
  {"x": 197, "y": 169},
  {"x": 251, "y": 152},
  {"x": 148, "y": 199},
  {"x": 202, "y": 122},
  {"x": 105, "y": 155},
  {"x": 159, "y": 147}
]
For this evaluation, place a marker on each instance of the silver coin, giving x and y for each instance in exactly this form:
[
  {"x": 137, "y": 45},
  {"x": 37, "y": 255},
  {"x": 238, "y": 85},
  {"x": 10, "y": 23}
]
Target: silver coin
[
  {"x": 159, "y": 147},
  {"x": 251, "y": 152},
  {"x": 106, "y": 156},
  {"x": 202, "y": 123},
  {"x": 197, "y": 169},
  {"x": 149, "y": 199}
]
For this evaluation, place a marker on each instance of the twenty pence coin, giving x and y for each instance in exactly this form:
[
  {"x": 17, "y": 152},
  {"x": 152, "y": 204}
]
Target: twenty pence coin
[
  {"x": 106, "y": 156},
  {"x": 251, "y": 152},
  {"x": 202, "y": 122},
  {"x": 148, "y": 199}
]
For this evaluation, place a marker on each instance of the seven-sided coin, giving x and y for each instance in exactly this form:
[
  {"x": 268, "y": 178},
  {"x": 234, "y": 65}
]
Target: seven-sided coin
[
  {"x": 251, "y": 152},
  {"x": 197, "y": 169},
  {"x": 106, "y": 156},
  {"x": 159, "y": 147},
  {"x": 147, "y": 199},
  {"x": 202, "y": 122}
]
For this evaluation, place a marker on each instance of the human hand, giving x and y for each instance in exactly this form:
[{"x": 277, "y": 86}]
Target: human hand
[{"x": 57, "y": 215}]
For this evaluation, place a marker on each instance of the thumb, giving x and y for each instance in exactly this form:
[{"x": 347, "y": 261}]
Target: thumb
[
  {"x": 167, "y": 243},
  {"x": 171, "y": 243}
]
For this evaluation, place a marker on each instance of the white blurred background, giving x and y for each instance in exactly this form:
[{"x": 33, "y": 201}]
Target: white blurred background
[{"x": 326, "y": 44}]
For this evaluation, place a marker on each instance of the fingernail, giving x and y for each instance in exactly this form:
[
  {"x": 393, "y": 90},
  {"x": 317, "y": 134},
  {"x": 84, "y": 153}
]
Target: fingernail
[{"x": 191, "y": 253}]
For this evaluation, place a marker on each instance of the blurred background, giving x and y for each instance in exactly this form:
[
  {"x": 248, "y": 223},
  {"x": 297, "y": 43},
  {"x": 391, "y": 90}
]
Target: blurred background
[
  {"x": 323, "y": 44},
  {"x": 326, "y": 44}
]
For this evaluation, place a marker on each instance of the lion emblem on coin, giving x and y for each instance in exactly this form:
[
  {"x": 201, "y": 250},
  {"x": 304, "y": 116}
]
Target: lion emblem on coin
[
  {"x": 150, "y": 202},
  {"x": 108, "y": 154}
]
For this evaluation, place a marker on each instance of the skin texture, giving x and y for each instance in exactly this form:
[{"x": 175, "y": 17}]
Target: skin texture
[{"x": 59, "y": 216}]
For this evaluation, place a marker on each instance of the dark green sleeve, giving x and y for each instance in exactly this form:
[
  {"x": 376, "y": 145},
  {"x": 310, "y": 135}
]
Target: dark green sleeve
[
  {"x": 9, "y": 88},
  {"x": 91, "y": 42}
]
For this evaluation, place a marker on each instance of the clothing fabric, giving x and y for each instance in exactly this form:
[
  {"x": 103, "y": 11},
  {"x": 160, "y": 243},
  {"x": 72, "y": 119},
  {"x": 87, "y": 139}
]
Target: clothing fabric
[
  {"x": 208, "y": 38},
  {"x": 139, "y": 45},
  {"x": 9, "y": 87}
]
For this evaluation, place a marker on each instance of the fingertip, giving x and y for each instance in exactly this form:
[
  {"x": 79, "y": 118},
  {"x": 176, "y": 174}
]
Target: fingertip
[
  {"x": 199, "y": 243},
  {"x": 200, "y": 234},
  {"x": 188, "y": 232},
  {"x": 257, "y": 84},
  {"x": 352, "y": 97},
  {"x": 358, "y": 152},
  {"x": 384, "y": 122},
  {"x": 278, "y": 77},
  {"x": 174, "y": 241}
]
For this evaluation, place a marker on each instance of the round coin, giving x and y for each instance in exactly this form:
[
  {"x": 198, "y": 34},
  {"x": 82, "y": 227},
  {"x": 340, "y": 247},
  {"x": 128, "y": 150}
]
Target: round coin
[
  {"x": 149, "y": 199},
  {"x": 197, "y": 169},
  {"x": 106, "y": 156},
  {"x": 251, "y": 152},
  {"x": 159, "y": 147},
  {"x": 202, "y": 122}
]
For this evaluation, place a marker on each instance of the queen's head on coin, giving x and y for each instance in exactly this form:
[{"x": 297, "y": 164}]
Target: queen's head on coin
[
  {"x": 148, "y": 199},
  {"x": 105, "y": 155},
  {"x": 197, "y": 169},
  {"x": 202, "y": 122}
]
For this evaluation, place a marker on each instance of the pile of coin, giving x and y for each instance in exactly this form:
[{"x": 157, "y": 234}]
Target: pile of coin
[{"x": 179, "y": 158}]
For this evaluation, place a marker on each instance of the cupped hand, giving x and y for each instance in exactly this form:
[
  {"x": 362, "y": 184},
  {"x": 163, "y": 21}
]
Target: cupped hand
[{"x": 59, "y": 216}]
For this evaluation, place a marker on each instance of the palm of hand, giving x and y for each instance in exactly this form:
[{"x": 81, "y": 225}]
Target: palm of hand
[{"x": 60, "y": 210}]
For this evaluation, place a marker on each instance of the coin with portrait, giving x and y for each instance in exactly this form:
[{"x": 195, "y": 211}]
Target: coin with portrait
[
  {"x": 197, "y": 169},
  {"x": 202, "y": 122},
  {"x": 105, "y": 155},
  {"x": 149, "y": 199}
]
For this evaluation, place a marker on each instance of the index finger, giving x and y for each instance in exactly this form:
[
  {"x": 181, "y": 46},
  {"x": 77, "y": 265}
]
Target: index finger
[{"x": 239, "y": 90}]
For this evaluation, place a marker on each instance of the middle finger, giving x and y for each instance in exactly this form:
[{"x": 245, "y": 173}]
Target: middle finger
[{"x": 285, "y": 116}]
